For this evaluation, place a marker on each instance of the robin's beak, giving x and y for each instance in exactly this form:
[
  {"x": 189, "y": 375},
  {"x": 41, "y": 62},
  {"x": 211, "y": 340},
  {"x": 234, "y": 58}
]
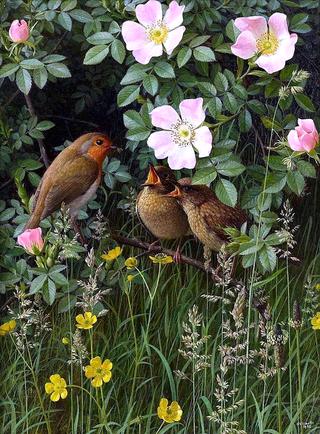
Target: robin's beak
[
  {"x": 177, "y": 193},
  {"x": 153, "y": 178}
]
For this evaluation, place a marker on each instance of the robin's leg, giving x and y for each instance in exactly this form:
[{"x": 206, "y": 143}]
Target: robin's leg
[
  {"x": 177, "y": 255},
  {"x": 207, "y": 257},
  {"x": 77, "y": 230}
]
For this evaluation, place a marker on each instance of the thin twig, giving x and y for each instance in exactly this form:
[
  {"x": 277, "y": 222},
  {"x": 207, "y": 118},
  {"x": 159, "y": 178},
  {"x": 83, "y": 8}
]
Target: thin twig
[{"x": 43, "y": 152}]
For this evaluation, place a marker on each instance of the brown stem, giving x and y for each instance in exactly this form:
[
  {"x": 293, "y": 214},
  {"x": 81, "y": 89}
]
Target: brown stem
[{"x": 43, "y": 152}]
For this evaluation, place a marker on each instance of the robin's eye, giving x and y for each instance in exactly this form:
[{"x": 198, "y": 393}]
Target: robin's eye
[
  {"x": 187, "y": 188},
  {"x": 99, "y": 142}
]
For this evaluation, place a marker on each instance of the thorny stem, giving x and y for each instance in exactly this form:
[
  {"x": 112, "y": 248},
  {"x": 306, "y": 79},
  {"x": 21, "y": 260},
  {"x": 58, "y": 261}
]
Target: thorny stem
[{"x": 43, "y": 152}]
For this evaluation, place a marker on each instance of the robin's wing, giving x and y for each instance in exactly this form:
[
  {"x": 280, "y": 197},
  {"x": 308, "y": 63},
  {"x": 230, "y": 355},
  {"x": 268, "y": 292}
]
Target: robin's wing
[
  {"x": 218, "y": 216},
  {"x": 73, "y": 181}
]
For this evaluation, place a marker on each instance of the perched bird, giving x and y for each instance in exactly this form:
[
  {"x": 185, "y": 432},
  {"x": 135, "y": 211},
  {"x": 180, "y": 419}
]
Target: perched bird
[
  {"x": 72, "y": 178},
  {"x": 161, "y": 216},
  {"x": 207, "y": 216}
]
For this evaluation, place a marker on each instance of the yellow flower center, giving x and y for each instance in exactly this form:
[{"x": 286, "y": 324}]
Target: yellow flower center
[
  {"x": 184, "y": 132},
  {"x": 158, "y": 34},
  {"x": 267, "y": 44}
]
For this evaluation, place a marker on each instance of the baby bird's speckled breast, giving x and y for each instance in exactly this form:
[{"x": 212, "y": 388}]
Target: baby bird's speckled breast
[
  {"x": 162, "y": 216},
  {"x": 200, "y": 229}
]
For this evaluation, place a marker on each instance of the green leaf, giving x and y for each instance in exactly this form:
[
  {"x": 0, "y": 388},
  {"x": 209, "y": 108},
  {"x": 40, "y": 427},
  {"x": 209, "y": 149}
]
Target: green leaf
[
  {"x": 306, "y": 169},
  {"x": 65, "y": 21},
  {"x": 304, "y": 102},
  {"x": 183, "y": 56},
  {"x": 81, "y": 16},
  {"x": 59, "y": 70},
  {"x": 45, "y": 125},
  {"x": 226, "y": 192},
  {"x": 271, "y": 124},
  {"x": 8, "y": 69},
  {"x": 138, "y": 133},
  {"x": 231, "y": 31},
  {"x": 215, "y": 106},
  {"x": 204, "y": 176},
  {"x": 38, "y": 283},
  {"x": 245, "y": 121},
  {"x": 204, "y": 54},
  {"x": 268, "y": 258},
  {"x": 230, "y": 167},
  {"x": 198, "y": 41},
  {"x": 220, "y": 82},
  {"x": 257, "y": 106},
  {"x": 135, "y": 73},
  {"x": 207, "y": 89},
  {"x": 132, "y": 119},
  {"x": 118, "y": 51},
  {"x": 164, "y": 70},
  {"x": 59, "y": 278},
  {"x": 127, "y": 95},
  {"x": 230, "y": 102},
  {"x": 151, "y": 84},
  {"x": 100, "y": 38},
  {"x": 53, "y": 58},
  {"x": 24, "y": 81},
  {"x": 40, "y": 77},
  {"x": 295, "y": 182},
  {"x": 31, "y": 64},
  {"x": 67, "y": 5},
  {"x": 96, "y": 54},
  {"x": 7, "y": 214},
  {"x": 67, "y": 302},
  {"x": 49, "y": 292},
  {"x": 275, "y": 182}
]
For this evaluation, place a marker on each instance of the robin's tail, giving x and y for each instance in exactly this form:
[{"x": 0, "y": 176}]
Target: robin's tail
[{"x": 33, "y": 221}]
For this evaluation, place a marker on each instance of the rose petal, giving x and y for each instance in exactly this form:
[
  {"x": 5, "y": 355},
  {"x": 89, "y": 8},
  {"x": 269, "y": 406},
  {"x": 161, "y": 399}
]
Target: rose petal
[
  {"x": 149, "y": 13},
  {"x": 271, "y": 63},
  {"x": 278, "y": 25},
  {"x": 307, "y": 125},
  {"x": 174, "y": 15},
  {"x": 162, "y": 144},
  {"x": 191, "y": 111},
  {"x": 294, "y": 141},
  {"x": 256, "y": 25},
  {"x": 173, "y": 39},
  {"x": 307, "y": 141},
  {"x": 182, "y": 157},
  {"x": 287, "y": 47},
  {"x": 144, "y": 54},
  {"x": 134, "y": 35},
  {"x": 203, "y": 141},
  {"x": 164, "y": 117},
  {"x": 245, "y": 45}
]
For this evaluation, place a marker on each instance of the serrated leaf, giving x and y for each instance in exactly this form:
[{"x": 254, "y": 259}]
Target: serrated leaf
[
  {"x": 24, "y": 81},
  {"x": 275, "y": 182},
  {"x": 214, "y": 106},
  {"x": 9, "y": 69},
  {"x": 59, "y": 70},
  {"x": 245, "y": 121},
  {"x": 81, "y": 16},
  {"x": 38, "y": 283},
  {"x": 230, "y": 167},
  {"x": 306, "y": 169},
  {"x": 65, "y": 21},
  {"x": 183, "y": 56},
  {"x": 49, "y": 292},
  {"x": 151, "y": 84},
  {"x": 31, "y": 64},
  {"x": 137, "y": 134},
  {"x": 164, "y": 70},
  {"x": 226, "y": 192},
  {"x": 268, "y": 258},
  {"x": 127, "y": 95},
  {"x": 204, "y": 176},
  {"x": 295, "y": 182},
  {"x": 204, "y": 54},
  {"x": 135, "y": 74},
  {"x": 96, "y": 54},
  {"x": 230, "y": 102},
  {"x": 100, "y": 38},
  {"x": 45, "y": 125},
  {"x": 118, "y": 51},
  {"x": 304, "y": 102},
  {"x": 220, "y": 82},
  {"x": 40, "y": 77}
]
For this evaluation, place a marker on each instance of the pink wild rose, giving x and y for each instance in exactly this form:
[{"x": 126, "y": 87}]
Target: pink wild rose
[
  {"x": 19, "y": 31},
  {"x": 146, "y": 40},
  {"x": 181, "y": 134},
  {"x": 31, "y": 240},
  {"x": 304, "y": 137},
  {"x": 271, "y": 41}
]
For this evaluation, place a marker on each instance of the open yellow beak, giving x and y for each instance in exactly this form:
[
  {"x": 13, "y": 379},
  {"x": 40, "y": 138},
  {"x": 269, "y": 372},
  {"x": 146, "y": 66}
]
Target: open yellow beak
[
  {"x": 153, "y": 178},
  {"x": 175, "y": 193}
]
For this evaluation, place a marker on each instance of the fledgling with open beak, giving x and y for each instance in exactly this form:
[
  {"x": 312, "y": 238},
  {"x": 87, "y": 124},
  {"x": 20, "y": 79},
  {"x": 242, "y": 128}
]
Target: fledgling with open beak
[
  {"x": 207, "y": 215},
  {"x": 72, "y": 178},
  {"x": 162, "y": 217}
]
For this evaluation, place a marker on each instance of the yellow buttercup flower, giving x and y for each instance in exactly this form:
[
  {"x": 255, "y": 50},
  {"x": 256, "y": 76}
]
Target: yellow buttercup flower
[
  {"x": 161, "y": 258},
  {"x": 112, "y": 254},
  {"x": 56, "y": 388},
  {"x": 7, "y": 327},
  {"x": 315, "y": 321},
  {"x": 169, "y": 413},
  {"x": 130, "y": 277},
  {"x": 318, "y": 286},
  {"x": 99, "y": 371},
  {"x": 65, "y": 341},
  {"x": 131, "y": 263},
  {"x": 86, "y": 321}
]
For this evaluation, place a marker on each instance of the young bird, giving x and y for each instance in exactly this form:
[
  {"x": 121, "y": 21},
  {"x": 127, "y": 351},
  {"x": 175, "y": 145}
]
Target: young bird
[
  {"x": 161, "y": 216},
  {"x": 72, "y": 178},
  {"x": 207, "y": 216}
]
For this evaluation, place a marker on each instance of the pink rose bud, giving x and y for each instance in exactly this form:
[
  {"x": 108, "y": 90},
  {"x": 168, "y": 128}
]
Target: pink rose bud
[
  {"x": 304, "y": 137},
  {"x": 31, "y": 240},
  {"x": 19, "y": 31}
]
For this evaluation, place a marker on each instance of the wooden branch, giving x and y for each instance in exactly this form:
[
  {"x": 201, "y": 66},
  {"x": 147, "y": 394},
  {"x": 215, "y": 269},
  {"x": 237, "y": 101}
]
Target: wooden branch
[{"x": 43, "y": 152}]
